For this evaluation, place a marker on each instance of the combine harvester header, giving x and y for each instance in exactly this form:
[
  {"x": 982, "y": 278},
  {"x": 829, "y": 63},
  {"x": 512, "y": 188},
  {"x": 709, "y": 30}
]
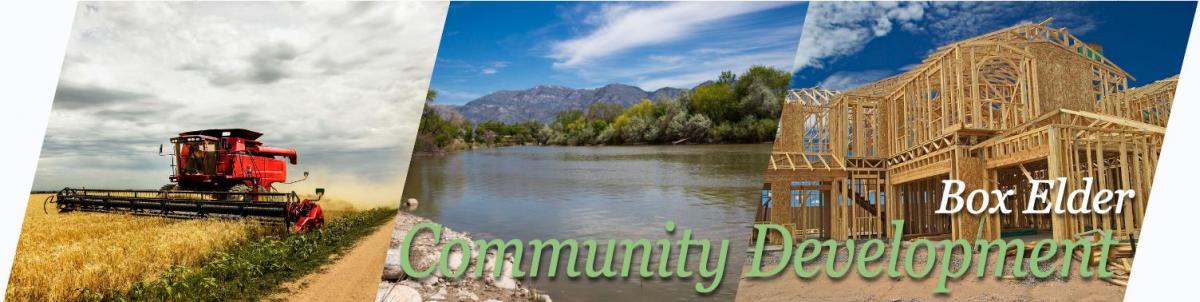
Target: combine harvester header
[{"x": 216, "y": 173}]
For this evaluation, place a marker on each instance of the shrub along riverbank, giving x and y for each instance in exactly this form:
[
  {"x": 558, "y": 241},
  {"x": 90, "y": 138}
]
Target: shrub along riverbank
[
  {"x": 732, "y": 109},
  {"x": 257, "y": 267}
]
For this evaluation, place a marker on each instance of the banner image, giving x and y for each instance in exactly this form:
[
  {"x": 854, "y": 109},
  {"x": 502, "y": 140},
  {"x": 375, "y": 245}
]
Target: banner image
[
  {"x": 538, "y": 151},
  {"x": 1008, "y": 158}
]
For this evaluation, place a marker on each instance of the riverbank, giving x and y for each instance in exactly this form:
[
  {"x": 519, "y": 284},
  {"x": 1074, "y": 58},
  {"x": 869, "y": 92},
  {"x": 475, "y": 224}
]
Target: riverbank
[
  {"x": 398, "y": 287},
  {"x": 472, "y": 147},
  {"x": 459, "y": 146}
]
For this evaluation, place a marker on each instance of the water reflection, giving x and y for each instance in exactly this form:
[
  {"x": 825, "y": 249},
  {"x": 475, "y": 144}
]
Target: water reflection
[{"x": 625, "y": 192}]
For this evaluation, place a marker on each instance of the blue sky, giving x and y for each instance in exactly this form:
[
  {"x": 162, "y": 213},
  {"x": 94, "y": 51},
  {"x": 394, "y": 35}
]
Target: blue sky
[
  {"x": 491, "y": 46},
  {"x": 847, "y": 44}
]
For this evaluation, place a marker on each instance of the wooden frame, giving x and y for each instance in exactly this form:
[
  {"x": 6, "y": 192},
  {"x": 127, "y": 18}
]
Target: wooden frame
[{"x": 996, "y": 111}]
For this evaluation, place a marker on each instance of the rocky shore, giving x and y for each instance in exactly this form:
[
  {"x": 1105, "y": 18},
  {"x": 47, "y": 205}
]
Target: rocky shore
[{"x": 395, "y": 286}]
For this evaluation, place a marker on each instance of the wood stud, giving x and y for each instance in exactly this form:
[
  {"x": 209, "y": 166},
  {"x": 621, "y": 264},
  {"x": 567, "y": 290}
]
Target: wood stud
[{"x": 997, "y": 110}]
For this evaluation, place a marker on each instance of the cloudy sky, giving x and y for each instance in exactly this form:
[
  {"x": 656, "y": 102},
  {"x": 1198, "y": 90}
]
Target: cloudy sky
[
  {"x": 341, "y": 83},
  {"x": 846, "y": 44},
  {"x": 491, "y": 46}
]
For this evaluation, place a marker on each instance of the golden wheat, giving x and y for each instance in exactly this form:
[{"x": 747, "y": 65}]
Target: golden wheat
[{"x": 62, "y": 255}]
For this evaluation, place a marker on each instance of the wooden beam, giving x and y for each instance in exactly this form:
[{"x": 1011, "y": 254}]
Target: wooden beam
[{"x": 1119, "y": 121}]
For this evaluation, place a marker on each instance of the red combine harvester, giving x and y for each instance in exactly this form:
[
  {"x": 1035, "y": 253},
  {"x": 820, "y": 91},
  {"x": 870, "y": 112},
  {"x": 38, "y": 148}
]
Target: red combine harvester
[{"x": 217, "y": 173}]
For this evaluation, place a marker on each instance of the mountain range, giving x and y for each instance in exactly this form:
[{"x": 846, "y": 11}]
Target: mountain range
[{"x": 543, "y": 102}]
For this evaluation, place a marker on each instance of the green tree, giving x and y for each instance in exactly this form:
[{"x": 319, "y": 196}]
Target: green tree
[
  {"x": 567, "y": 117},
  {"x": 643, "y": 110},
  {"x": 733, "y": 108},
  {"x": 604, "y": 111},
  {"x": 761, "y": 90},
  {"x": 434, "y": 132},
  {"x": 717, "y": 101},
  {"x": 727, "y": 77},
  {"x": 696, "y": 128}
]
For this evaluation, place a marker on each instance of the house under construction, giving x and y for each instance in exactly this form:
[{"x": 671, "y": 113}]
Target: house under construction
[{"x": 994, "y": 111}]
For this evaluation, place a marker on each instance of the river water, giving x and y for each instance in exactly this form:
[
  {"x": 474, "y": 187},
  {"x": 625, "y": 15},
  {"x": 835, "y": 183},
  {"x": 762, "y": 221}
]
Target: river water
[{"x": 615, "y": 192}]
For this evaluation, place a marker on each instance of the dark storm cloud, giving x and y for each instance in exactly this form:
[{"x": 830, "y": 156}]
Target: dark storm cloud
[
  {"x": 74, "y": 96},
  {"x": 100, "y": 145},
  {"x": 268, "y": 64},
  {"x": 136, "y": 114},
  {"x": 330, "y": 65}
]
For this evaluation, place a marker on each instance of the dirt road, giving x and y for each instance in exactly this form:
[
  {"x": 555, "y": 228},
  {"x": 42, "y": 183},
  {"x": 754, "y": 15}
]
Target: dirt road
[{"x": 353, "y": 277}]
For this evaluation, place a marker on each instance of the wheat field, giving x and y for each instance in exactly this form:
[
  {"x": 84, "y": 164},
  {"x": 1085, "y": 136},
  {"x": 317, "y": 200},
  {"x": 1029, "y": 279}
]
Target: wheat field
[{"x": 71, "y": 256}]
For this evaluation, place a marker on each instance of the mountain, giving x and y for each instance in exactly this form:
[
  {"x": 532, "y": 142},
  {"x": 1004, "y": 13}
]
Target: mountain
[{"x": 541, "y": 103}]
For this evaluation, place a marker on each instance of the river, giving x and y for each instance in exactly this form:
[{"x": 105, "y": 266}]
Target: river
[{"x": 612, "y": 192}]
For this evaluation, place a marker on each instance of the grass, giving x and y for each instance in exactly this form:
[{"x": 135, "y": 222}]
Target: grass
[
  {"x": 65, "y": 257},
  {"x": 255, "y": 268}
]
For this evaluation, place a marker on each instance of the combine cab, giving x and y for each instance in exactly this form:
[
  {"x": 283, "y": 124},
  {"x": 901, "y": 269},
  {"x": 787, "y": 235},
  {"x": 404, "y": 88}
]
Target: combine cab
[
  {"x": 227, "y": 160},
  {"x": 216, "y": 173}
]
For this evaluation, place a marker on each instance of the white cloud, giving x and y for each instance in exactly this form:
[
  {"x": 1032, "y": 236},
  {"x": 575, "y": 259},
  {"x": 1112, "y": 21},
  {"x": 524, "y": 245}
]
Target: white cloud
[
  {"x": 493, "y": 68},
  {"x": 700, "y": 69},
  {"x": 622, "y": 27},
  {"x": 837, "y": 29},
  {"x": 953, "y": 21},
  {"x": 329, "y": 79},
  {"x": 653, "y": 47},
  {"x": 666, "y": 59},
  {"x": 843, "y": 80}
]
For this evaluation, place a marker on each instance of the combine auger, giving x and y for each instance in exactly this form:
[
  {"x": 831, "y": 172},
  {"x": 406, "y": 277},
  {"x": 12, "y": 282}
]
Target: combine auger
[{"x": 216, "y": 173}]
